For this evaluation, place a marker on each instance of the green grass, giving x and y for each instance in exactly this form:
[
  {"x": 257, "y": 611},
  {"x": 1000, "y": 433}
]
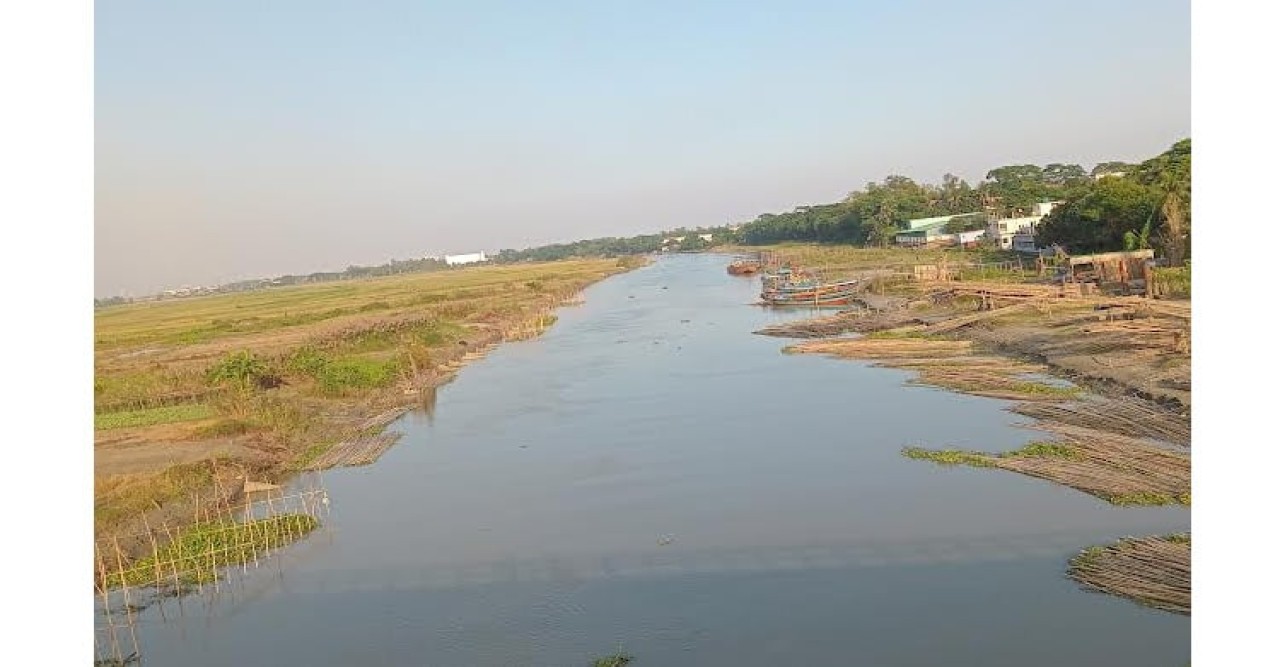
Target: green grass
[
  {"x": 1041, "y": 389},
  {"x": 1148, "y": 499},
  {"x": 199, "y": 551},
  {"x": 1043, "y": 450},
  {"x": 615, "y": 660},
  {"x": 152, "y": 416},
  {"x": 345, "y": 376},
  {"x": 954, "y": 457},
  {"x": 1173, "y": 282},
  {"x": 948, "y": 457}
]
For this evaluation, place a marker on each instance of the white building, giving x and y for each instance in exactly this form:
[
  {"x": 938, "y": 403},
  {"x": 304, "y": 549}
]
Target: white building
[
  {"x": 471, "y": 258},
  {"x": 1005, "y": 229}
]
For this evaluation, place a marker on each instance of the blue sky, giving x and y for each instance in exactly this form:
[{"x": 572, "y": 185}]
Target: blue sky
[{"x": 246, "y": 139}]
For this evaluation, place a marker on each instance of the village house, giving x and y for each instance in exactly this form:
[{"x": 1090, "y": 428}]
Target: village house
[{"x": 1018, "y": 233}]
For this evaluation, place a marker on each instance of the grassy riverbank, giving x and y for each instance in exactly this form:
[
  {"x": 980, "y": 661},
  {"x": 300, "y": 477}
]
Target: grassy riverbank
[{"x": 255, "y": 385}]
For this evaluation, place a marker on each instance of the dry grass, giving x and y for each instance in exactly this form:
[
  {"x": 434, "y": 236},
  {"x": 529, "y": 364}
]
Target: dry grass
[
  {"x": 1120, "y": 470},
  {"x": 1154, "y": 571}
]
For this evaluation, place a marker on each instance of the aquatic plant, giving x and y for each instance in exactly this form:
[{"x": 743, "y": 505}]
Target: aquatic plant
[{"x": 198, "y": 552}]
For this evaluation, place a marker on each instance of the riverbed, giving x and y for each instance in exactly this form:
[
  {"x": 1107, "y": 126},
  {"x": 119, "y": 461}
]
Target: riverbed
[{"x": 651, "y": 478}]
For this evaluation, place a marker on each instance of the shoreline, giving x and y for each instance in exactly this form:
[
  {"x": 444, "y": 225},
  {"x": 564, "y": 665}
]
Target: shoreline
[
  {"x": 216, "y": 479},
  {"x": 1120, "y": 433}
]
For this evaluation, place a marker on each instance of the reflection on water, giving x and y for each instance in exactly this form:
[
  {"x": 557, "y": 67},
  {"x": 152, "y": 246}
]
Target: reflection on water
[{"x": 650, "y": 475}]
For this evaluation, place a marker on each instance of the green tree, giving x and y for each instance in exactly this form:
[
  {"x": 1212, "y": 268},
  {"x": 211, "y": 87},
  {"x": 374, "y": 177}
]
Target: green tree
[
  {"x": 1112, "y": 167},
  {"x": 1063, "y": 174},
  {"x": 1170, "y": 174},
  {"x": 1096, "y": 220}
]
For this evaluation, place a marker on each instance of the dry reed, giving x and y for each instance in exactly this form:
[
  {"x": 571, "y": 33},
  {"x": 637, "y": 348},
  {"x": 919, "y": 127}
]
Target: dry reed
[{"x": 1155, "y": 571}]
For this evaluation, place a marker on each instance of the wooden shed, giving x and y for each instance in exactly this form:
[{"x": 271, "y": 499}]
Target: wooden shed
[{"x": 1125, "y": 270}]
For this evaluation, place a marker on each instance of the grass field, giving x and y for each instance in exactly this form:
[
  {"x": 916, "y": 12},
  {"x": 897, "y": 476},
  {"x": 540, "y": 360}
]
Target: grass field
[{"x": 282, "y": 371}]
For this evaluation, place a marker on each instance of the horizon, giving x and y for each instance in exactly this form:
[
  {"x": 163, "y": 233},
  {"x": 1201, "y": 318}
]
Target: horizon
[{"x": 235, "y": 142}]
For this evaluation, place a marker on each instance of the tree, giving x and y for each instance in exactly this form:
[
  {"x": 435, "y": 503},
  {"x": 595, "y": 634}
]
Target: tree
[
  {"x": 1063, "y": 174},
  {"x": 1113, "y": 167},
  {"x": 1097, "y": 219},
  {"x": 1170, "y": 174},
  {"x": 1015, "y": 187}
]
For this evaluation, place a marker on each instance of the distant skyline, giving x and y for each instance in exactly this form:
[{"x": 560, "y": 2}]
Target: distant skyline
[{"x": 238, "y": 140}]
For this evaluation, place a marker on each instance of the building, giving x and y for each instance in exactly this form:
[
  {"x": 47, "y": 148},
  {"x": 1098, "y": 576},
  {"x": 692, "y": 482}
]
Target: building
[
  {"x": 923, "y": 232},
  {"x": 1021, "y": 229},
  {"x": 470, "y": 258}
]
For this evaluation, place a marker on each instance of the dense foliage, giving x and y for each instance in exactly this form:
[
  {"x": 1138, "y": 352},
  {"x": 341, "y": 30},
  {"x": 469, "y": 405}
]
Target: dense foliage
[{"x": 1144, "y": 205}]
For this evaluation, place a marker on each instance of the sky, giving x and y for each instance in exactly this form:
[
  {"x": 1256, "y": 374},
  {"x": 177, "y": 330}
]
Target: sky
[{"x": 238, "y": 139}]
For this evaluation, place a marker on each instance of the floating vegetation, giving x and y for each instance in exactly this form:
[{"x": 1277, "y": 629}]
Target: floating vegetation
[
  {"x": 615, "y": 660},
  {"x": 1154, "y": 571},
  {"x": 949, "y": 457}
]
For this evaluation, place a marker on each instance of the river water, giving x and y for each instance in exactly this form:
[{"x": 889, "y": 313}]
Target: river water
[{"x": 650, "y": 477}]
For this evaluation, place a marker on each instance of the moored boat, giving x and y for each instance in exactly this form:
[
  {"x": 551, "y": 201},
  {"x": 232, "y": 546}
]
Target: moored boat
[
  {"x": 787, "y": 287},
  {"x": 744, "y": 267}
]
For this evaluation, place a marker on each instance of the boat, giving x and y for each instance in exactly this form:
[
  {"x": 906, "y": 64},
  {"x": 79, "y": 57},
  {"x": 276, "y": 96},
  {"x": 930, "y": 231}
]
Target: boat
[
  {"x": 788, "y": 287},
  {"x": 744, "y": 267}
]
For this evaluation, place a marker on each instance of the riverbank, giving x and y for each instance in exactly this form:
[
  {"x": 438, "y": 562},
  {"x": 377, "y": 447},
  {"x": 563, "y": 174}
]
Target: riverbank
[
  {"x": 1105, "y": 380},
  {"x": 196, "y": 397}
]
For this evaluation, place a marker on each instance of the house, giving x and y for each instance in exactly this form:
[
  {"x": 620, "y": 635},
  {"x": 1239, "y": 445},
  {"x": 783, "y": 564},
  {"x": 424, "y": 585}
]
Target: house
[
  {"x": 470, "y": 258},
  {"x": 1023, "y": 227},
  {"x": 923, "y": 232}
]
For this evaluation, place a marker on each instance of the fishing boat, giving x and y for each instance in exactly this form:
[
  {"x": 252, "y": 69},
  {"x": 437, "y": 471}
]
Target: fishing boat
[
  {"x": 744, "y": 267},
  {"x": 787, "y": 287}
]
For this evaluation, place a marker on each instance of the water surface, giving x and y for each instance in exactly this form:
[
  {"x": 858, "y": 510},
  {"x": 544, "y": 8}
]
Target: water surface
[{"x": 651, "y": 476}]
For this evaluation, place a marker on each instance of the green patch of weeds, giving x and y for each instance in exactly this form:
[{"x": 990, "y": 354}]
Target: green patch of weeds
[
  {"x": 615, "y": 660},
  {"x": 1142, "y": 499},
  {"x": 199, "y": 551},
  {"x": 948, "y": 457},
  {"x": 343, "y": 376},
  {"x": 1041, "y": 389},
  {"x": 1044, "y": 450},
  {"x": 151, "y": 416}
]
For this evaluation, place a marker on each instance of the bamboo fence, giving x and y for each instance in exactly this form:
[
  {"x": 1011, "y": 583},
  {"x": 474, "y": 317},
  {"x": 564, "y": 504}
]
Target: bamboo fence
[{"x": 233, "y": 537}]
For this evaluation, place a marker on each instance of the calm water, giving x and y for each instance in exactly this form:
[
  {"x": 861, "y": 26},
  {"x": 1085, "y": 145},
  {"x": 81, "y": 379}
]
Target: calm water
[{"x": 650, "y": 476}]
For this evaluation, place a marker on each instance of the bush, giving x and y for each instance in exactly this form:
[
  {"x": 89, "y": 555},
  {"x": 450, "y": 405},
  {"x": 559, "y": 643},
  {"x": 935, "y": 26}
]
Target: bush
[
  {"x": 241, "y": 368},
  {"x": 337, "y": 378}
]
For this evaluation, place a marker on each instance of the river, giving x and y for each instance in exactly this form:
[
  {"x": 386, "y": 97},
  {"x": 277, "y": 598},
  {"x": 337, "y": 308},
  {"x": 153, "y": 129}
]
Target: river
[{"x": 650, "y": 477}]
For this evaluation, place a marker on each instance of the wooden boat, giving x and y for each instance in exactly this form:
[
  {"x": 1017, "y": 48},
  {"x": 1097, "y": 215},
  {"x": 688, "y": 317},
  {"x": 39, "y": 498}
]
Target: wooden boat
[
  {"x": 794, "y": 288},
  {"x": 744, "y": 267}
]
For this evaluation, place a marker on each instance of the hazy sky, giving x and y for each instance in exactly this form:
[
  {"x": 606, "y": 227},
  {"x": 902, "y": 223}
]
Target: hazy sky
[{"x": 249, "y": 139}]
